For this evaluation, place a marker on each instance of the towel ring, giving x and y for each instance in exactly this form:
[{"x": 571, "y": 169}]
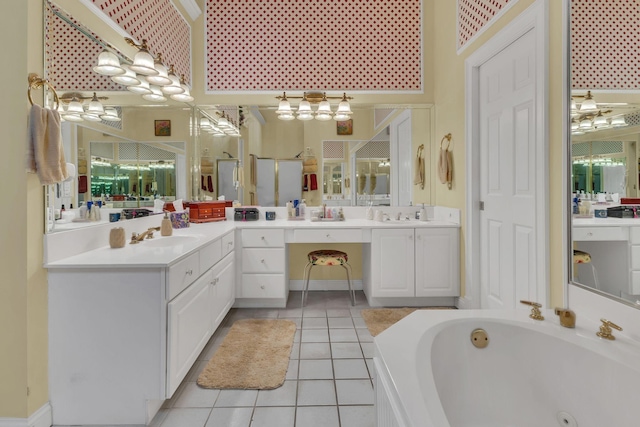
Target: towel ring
[
  {"x": 36, "y": 82},
  {"x": 448, "y": 138}
]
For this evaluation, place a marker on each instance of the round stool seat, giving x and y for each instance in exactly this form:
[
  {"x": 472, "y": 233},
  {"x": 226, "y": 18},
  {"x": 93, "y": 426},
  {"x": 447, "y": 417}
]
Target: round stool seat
[
  {"x": 581, "y": 257},
  {"x": 327, "y": 257}
]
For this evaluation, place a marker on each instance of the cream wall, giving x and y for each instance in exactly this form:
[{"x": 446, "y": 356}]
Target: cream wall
[
  {"x": 449, "y": 91},
  {"x": 23, "y": 288}
]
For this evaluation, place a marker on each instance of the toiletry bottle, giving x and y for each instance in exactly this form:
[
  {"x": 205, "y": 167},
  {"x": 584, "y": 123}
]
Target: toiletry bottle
[
  {"x": 303, "y": 208},
  {"x": 289, "y": 209},
  {"x": 166, "y": 229}
]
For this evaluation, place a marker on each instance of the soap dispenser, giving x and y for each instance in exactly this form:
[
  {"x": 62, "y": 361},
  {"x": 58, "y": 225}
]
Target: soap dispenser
[{"x": 166, "y": 229}]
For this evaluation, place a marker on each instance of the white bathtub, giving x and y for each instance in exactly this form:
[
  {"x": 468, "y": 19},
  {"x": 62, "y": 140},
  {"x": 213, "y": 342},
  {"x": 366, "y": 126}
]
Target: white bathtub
[{"x": 532, "y": 373}]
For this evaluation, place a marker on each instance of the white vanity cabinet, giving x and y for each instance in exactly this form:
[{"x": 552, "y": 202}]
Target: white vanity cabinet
[
  {"x": 262, "y": 268},
  {"x": 412, "y": 262},
  {"x": 123, "y": 337}
]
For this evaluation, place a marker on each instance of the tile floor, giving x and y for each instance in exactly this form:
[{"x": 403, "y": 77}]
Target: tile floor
[{"x": 328, "y": 383}]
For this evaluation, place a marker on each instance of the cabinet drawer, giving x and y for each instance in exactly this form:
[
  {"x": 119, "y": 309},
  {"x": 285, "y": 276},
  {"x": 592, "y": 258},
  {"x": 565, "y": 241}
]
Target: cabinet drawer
[
  {"x": 210, "y": 255},
  {"x": 600, "y": 233},
  {"x": 182, "y": 274},
  {"x": 269, "y": 238},
  {"x": 634, "y": 235},
  {"x": 228, "y": 243},
  {"x": 257, "y": 260},
  {"x": 635, "y": 283},
  {"x": 328, "y": 235},
  {"x": 263, "y": 286}
]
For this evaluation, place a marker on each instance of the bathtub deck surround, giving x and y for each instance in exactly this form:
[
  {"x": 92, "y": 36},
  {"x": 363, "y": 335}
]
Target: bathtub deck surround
[
  {"x": 575, "y": 377},
  {"x": 155, "y": 304}
]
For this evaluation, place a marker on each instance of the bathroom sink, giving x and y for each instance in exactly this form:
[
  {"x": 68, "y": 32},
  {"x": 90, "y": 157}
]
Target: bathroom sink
[{"x": 168, "y": 241}]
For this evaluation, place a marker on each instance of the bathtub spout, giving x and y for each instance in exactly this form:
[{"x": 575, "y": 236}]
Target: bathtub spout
[{"x": 567, "y": 317}]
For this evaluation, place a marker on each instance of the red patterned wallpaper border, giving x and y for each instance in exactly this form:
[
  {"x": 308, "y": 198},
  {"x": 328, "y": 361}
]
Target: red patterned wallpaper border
[
  {"x": 473, "y": 15},
  {"x": 605, "y": 44},
  {"x": 356, "y": 45}
]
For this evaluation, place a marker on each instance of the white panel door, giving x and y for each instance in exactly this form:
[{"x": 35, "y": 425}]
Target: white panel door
[
  {"x": 508, "y": 172},
  {"x": 392, "y": 263}
]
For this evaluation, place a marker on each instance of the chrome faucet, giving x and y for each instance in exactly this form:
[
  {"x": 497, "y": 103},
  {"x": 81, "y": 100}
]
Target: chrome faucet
[
  {"x": 137, "y": 238},
  {"x": 567, "y": 317}
]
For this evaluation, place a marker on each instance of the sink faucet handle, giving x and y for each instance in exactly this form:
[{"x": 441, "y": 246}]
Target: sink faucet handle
[
  {"x": 567, "y": 317},
  {"x": 605, "y": 329},
  {"x": 535, "y": 309}
]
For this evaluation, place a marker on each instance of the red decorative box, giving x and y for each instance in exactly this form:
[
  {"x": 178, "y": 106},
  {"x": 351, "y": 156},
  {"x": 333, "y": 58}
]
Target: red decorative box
[{"x": 207, "y": 211}]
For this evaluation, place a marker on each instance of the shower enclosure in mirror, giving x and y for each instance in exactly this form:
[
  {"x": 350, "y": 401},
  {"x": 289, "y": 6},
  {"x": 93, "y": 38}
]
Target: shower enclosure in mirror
[{"x": 604, "y": 154}]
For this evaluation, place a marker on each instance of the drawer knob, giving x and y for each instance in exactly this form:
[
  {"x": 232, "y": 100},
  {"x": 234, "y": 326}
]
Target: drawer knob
[
  {"x": 590, "y": 234},
  {"x": 328, "y": 235},
  {"x": 262, "y": 261},
  {"x": 189, "y": 272},
  {"x": 262, "y": 237},
  {"x": 261, "y": 286}
]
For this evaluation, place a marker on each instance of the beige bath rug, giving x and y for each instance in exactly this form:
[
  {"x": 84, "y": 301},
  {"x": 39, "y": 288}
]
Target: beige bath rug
[
  {"x": 379, "y": 319},
  {"x": 254, "y": 355}
]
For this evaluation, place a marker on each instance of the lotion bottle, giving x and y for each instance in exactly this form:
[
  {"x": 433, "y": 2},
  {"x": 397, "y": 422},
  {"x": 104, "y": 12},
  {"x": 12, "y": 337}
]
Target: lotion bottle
[{"x": 166, "y": 229}]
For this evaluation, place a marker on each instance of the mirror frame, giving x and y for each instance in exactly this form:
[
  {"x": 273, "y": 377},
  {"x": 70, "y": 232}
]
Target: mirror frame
[{"x": 567, "y": 174}]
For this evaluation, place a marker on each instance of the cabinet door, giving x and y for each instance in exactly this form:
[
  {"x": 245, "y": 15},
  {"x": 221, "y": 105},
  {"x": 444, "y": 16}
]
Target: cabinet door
[
  {"x": 437, "y": 262},
  {"x": 222, "y": 291},
  {"x": 189, "y": 329},
  {"x": 392, "y": 263}
]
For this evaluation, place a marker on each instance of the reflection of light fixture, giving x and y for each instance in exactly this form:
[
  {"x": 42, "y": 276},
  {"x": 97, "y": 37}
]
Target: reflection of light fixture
[
  {"x": 97, "y": 161},
  {"x": 108, "y": 64},
  {"x": 128, "y": 78},
  {"x": 162, "y": 79},
  {"x": 155, "y": 95},
  {"x": 161, "y": 164},
  {"x": 141, "y": 89},
  {"x": 589, "y": 104},
  {"x": 111, "y": 115},
  {"x": 174, "y": 86},
  {"x": 220, "y": 126},
  {"x": 384, "y": 163},
  {"x": 95, "y": 112},
  {"x": 143, "y": 62},
  {"x": 618, "y": 121},
  {"x": 305, "y": 112}
]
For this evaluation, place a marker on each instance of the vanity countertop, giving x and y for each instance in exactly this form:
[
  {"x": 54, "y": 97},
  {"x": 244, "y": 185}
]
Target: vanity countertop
[
  {"x": 159, "y": 253},
  {"x": 604, "y": 222}
]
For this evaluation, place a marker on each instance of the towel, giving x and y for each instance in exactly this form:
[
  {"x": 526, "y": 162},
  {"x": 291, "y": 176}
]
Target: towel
[
  {"x": 313, "y": 184},
  {"x": 240, "y": 176},
  {"x": 419, "y": 168},
  {"x": 210, "y": 184},
  {"x": 202, "y": 185},
  {"x": 312, "y": 161},
  {"x": 45, "y": 155},
  {"x": 305, "y": 182},
  {"x": 82, "y": 184},
  {"x": 445, "y": 166},
  {"x": 253, "y": 170},
  {"x": 309, "y": 168}
]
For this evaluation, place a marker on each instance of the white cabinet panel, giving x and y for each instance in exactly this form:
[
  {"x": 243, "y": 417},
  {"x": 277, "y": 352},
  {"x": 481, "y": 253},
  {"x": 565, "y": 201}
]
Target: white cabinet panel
[
  {"x": 437, "y": 262},
  {"x": 189, "y": 329},
  {"x": 349, "y": 235},
  {"x": 222, "y": 290},
  {"x": 600, "y": 233},
  {"x": 253, "y": 238},
  {"x": 228, "y": 243},
  {"x": 256, "y": 260},
  {"x": 392, "y": 263},
  {"x": 263, "y": 286},
  {"x": 182, "y": 274},
  {"x": 210, "y": 255}
]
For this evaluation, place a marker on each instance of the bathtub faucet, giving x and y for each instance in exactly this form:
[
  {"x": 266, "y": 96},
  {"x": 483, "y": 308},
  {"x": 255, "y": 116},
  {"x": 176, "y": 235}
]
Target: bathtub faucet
[{"x": 567, "y": 317}]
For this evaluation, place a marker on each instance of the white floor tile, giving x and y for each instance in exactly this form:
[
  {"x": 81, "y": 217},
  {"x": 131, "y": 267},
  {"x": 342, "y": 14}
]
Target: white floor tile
[
  {"x": 314, "y": 312},
  {"x": 340, "y": 322},
  {"x": 370, "y": 366},
  {"x": 295, "y": 351},
  {"x": 314, "y": 335},
  {"x": 359, "y": 322},
  {"x": 354, "y": 392},
  {"x": 316, "y": 393},
  {"x": 364, "y": 335},
  {"x": 314, "y": 323},
  {"x": 343, "y": 335},
  {"x": 367, "y": 349},
  {"x": 317, "y": 416},
  {"x": 290, "y": 312},
  {"x": 296, "y": 320},
  {"x": 281, "y": 396},
  {"x": 355, "y": 312},
  {"x": 346, "y": 350},
  {"x": 235, "y": 398},
  {"x": 338, "y": 312},
  {"x": 274, "y": 417},
  {"x": 292, "y": 370},
  {"x": 357, "y": 416},
  {"x": 350, "y": 369},
  {"x": 315, "y": 350},
  {"x": 193, "y": 396},
  {"x": 230, "y": 417},
  {"x": 186, "y": 417},
  {"x": 316, "y": 370}
]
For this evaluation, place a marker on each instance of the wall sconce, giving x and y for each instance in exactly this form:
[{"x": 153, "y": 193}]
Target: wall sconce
[{"x": 305, "y": 112}]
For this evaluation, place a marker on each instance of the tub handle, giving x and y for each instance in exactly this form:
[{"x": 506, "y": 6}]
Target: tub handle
[
  {"x": 605, "y": 329},
  {"x": 535, "y": 309}
]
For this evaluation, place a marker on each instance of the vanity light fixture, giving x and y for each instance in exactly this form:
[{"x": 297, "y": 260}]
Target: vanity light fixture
[
  {"x": 95, "y": 112},
  {"x": 141, "y": 89},
  {"x": 128, "y": 78},
  {"x": 97, "y": 161},
  {"x": 111, "y": 115},
  {"x": 618, "y": 121},
  {"x": 174, "y": 87},
  {"x": 589, "y": 104},
  {"x": 155, "y": 95},
  {"x": 305, "y": 112},
  {"x": 108, "y": 64},
  {"x": 162, "y": 78},
  {"x": 185, "y": 96},
  {"x": 143, "y": 62}
]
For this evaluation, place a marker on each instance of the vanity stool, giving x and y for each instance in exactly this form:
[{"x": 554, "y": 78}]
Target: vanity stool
[
  {"x": 582, "y": 257},
  {"x": 328, "y": 258}
]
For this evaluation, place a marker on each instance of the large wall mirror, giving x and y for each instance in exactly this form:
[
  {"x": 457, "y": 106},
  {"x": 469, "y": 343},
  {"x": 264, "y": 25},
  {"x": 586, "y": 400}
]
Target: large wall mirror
[{"x": 604, "y": 155}]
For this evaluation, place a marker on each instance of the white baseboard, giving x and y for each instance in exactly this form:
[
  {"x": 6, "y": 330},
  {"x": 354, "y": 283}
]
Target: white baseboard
[
  {"x": 40, "y": 418},
  {"x": 325, "y": 285},
  {"x": 465, "y": 303}
]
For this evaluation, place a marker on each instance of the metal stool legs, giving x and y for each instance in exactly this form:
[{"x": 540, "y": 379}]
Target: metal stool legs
[{"x": 307, "y": 275}]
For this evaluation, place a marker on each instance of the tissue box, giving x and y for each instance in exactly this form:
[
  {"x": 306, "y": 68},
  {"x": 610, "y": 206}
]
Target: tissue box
[{"x": 179, "y": 219}]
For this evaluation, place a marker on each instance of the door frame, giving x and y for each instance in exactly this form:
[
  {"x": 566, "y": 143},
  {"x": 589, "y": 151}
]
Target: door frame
[{"x": 534, "y": 18}]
